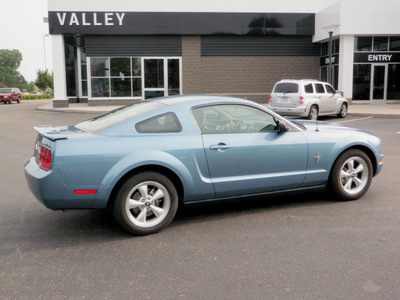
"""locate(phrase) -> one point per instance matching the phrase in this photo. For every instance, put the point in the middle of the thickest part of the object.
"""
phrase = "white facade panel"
(306, 6)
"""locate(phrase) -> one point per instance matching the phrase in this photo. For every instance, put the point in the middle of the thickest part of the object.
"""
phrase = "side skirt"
(317, 188)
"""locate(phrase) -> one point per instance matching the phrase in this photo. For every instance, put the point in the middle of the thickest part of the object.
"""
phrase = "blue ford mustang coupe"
(144, 160)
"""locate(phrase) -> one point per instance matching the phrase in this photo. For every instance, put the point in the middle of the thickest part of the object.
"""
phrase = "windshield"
(286, 88)
(5, 91)
(118, 115)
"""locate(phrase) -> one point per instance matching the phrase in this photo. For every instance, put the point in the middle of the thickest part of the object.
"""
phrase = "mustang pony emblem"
(318, 157)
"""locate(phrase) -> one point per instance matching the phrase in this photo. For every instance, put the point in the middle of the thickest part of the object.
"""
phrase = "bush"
(37, 97)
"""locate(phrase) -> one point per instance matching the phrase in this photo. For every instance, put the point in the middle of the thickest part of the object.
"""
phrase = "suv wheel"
(343, 111)
(313, 114)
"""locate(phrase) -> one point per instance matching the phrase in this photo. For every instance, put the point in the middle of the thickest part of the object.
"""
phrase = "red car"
(7, 95)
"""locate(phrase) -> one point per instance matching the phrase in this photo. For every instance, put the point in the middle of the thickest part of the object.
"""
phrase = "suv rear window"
(308, 88)
(286, 88)
(320, 88)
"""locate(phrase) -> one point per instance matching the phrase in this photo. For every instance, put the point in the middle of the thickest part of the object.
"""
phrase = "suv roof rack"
(299, 80)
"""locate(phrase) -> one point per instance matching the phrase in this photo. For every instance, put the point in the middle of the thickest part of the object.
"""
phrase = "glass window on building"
(363, 43)
(100, 67)
(336, 46)
(361, 82)
(117, 77)
(136, 77)
(324, 74)
(381, 43)
(394, 44)
(393, 82)
(83, 73)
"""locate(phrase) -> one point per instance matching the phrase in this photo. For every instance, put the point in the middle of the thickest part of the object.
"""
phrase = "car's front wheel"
(146, 203)
(343, 111)
(351, 175)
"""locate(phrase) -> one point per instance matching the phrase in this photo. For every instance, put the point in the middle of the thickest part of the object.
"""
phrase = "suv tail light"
(301, 100)
(45, 157)
(269, 101)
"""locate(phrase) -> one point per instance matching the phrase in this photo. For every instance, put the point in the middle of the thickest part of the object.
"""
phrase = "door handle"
(220, 146)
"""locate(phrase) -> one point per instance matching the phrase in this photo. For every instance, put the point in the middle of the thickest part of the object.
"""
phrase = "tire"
(343, 111)
(146, 203)
(351, 175)
(10, 101)
(313, 114)
(19, 100)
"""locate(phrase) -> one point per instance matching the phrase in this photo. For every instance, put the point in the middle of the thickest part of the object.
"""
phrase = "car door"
(331, 98)
(322, 97)
(244, 152)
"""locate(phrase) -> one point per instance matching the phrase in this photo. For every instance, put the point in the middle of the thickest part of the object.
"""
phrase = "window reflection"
(361, 82)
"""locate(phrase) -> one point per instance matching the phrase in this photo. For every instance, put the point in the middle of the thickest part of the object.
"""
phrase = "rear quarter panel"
(103, 160)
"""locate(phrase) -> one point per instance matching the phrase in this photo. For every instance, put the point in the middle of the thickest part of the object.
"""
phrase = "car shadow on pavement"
(49, 230)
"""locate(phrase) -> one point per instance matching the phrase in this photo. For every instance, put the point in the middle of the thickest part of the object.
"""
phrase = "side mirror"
(340, 93)
(281, 127)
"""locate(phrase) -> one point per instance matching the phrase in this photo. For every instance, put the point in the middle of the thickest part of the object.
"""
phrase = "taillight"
(269, 101)
(45, 157)
(301, 100)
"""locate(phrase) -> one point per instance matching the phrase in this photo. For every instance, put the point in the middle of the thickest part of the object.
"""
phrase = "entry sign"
(377, 57)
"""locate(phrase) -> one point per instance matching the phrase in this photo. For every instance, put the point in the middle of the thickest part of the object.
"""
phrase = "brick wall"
(250, 77)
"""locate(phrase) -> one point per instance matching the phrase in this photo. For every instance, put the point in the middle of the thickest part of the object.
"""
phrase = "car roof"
(301, 81)
(198, 100)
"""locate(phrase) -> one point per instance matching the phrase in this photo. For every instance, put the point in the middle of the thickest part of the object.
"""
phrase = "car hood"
(327, 127)
(5, 94)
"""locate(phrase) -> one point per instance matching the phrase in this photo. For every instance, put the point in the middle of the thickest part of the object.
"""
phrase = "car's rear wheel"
(343, 111)
(313, 114)
(351, 175)
(146, 203)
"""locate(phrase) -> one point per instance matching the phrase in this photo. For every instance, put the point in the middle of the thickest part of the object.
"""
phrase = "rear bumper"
(49, 189)
(300, 111)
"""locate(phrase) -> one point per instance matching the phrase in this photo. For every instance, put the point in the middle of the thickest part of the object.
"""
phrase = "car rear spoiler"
(54, 133)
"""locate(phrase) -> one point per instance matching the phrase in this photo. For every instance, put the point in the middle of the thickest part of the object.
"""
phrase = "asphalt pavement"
(303, 246)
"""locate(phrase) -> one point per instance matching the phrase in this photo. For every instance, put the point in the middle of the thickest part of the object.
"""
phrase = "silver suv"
(307, 98)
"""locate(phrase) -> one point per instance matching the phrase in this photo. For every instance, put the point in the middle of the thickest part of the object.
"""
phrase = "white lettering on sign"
(327, 60)
(83, 19)
(380, 57)
(84, 23)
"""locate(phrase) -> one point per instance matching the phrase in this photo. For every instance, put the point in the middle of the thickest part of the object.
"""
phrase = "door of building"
(162, 77)
(378, 82)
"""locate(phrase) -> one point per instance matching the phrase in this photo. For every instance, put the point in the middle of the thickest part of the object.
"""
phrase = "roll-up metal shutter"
(259, 46)
(133, 46)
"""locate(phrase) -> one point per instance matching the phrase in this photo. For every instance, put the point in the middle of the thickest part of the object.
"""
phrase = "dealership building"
(124, 51)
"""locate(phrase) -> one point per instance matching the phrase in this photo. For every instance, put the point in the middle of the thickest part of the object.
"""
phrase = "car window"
(329, 89)
(308, 88)
(119, 115)
(163, 123)
(5, 91)
(286, 88)
(320, 88)
(233, 118)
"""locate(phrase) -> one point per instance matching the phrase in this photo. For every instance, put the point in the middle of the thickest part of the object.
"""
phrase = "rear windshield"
(119, 115)
(286, 88)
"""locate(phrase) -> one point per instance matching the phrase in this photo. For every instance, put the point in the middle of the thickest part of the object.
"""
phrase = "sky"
(22, 28)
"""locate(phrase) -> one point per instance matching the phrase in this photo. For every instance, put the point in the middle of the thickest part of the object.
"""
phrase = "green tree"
(31, 86)
(44, 80)
(10, 60)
